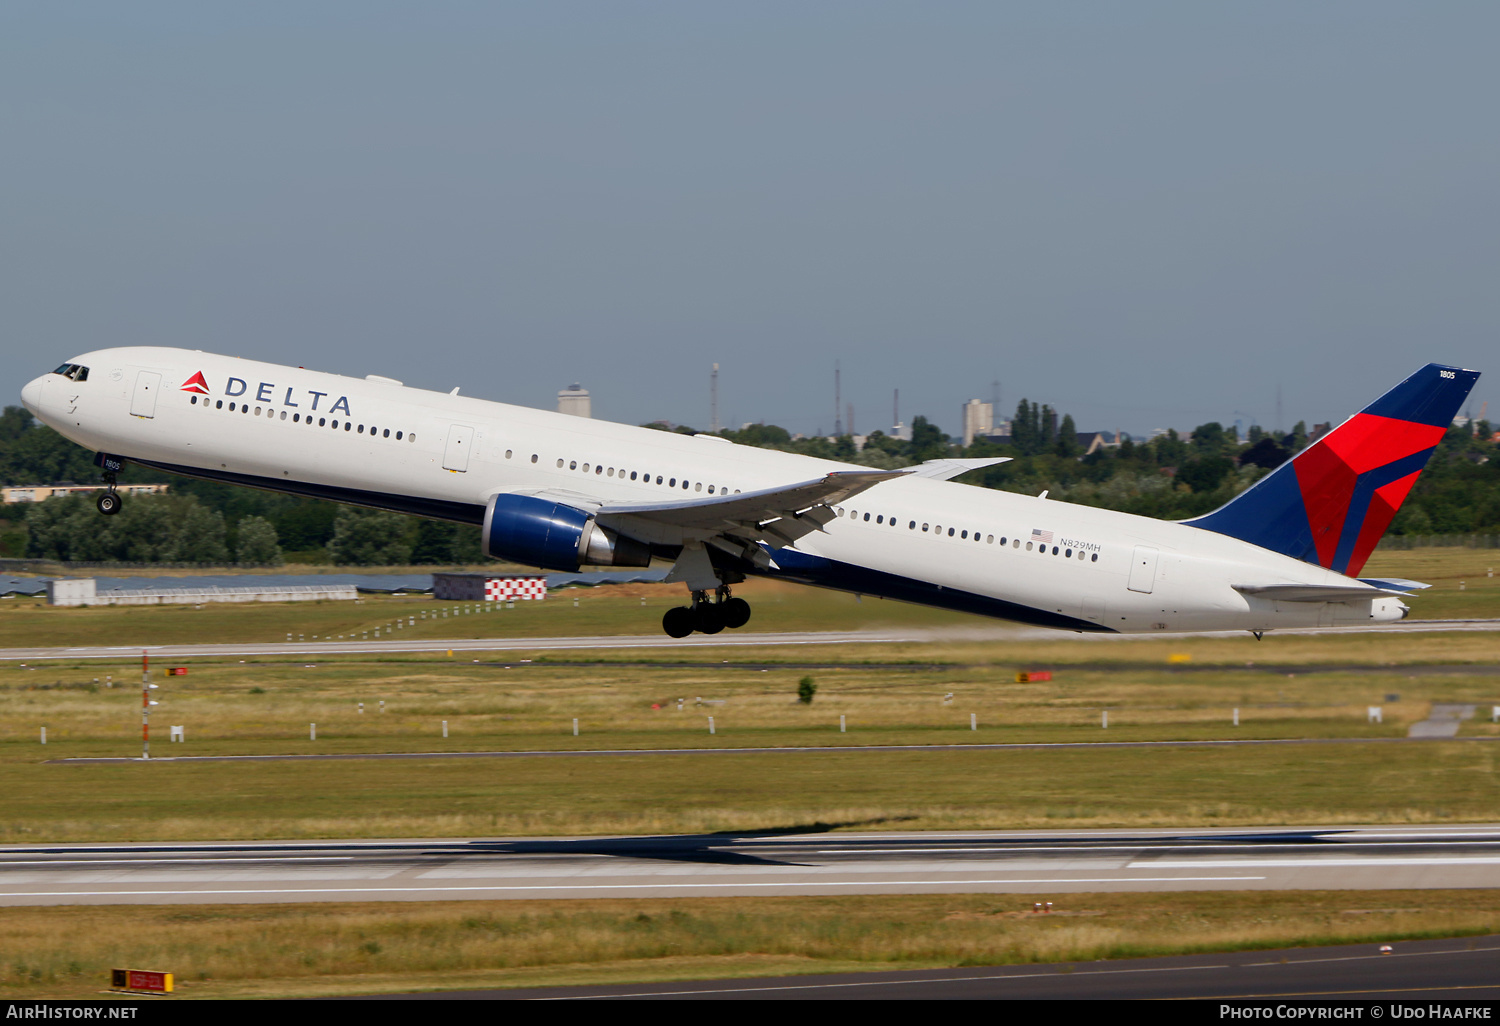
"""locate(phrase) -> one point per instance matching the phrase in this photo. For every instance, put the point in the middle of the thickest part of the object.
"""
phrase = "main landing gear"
(708, 617)
(109, 501)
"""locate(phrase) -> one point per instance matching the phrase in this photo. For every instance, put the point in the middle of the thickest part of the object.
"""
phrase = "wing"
(776, 515)
(947, 469)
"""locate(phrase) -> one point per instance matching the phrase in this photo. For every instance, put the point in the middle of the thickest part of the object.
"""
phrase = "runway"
(643, 641)
(1459, 971)
(813, 862)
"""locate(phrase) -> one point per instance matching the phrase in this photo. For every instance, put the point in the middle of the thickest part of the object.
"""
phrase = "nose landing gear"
(705, 616)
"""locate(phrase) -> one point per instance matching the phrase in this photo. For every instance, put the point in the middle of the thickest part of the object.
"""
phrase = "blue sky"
(1146, 214)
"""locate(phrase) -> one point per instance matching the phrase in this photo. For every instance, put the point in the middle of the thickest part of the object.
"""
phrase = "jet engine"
(554, 536)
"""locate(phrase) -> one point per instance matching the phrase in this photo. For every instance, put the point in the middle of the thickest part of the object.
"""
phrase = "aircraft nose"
(31, 396)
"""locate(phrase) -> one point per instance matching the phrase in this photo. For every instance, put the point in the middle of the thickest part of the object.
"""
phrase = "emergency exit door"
(456, 452)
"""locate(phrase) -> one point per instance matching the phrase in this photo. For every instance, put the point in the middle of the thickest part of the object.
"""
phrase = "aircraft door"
(456, 453)
(143, 401)
(1143, 569)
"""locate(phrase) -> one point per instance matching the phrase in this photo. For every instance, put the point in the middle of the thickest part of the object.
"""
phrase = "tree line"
(1168, 477)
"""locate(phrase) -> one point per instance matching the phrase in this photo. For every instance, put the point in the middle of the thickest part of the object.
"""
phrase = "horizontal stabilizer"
(1313, 592)
(947, 469)
(1399, 584)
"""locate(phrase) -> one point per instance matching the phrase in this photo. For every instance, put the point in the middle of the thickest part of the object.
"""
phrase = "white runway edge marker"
(312, 731)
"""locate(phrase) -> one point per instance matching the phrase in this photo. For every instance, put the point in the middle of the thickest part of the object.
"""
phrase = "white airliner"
(561, 492)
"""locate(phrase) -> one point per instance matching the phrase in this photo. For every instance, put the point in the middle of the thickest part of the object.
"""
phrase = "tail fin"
(1330, 504)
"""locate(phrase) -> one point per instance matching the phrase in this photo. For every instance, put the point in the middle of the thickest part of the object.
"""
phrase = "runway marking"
(1376, 860)
(1363, 958)
(629, 887)
(883, 983)
(4, 862)
(1000, 848)
(913, 636)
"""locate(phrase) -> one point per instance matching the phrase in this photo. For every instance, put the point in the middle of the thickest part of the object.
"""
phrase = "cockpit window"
(75, 371)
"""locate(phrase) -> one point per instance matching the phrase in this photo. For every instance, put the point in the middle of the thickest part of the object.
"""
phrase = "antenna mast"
(838, 414)
(713, 399)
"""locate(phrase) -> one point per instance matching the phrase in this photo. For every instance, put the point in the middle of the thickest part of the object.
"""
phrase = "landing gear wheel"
(736, 613)
(108, 503)
(710, 617)
(678, 622)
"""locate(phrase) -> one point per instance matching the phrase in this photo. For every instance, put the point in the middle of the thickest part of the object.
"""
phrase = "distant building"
(40, 493)
(979, 419)
(901, 432)
(574, 400)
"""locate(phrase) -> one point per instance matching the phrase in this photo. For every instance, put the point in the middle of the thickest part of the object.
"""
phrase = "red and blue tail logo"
(1331, 503)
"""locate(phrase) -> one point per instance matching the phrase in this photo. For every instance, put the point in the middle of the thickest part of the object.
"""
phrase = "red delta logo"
(196, 384)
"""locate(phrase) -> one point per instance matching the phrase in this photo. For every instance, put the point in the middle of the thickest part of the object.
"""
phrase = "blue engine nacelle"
(554, 536)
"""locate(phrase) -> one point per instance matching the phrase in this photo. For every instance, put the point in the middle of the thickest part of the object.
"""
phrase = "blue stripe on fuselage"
(831, 573)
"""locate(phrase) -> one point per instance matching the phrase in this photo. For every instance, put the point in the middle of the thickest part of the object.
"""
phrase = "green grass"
(677, 793)
(890, 694)
(1461, 589)
(221, 951)
(616, 609)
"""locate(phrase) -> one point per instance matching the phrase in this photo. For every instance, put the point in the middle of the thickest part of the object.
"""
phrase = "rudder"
(1331, 503)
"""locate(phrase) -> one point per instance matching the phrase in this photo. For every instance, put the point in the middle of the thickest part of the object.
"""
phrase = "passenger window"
(1054, 550)
(387, 433)
(244, 408)
(559, 464)
(950, 532)
(1094, 558)
(321, 422)
(347, 425)
(672, 483)
(1028, 546)
(194, 400)
(220, 405)
(924, 528)
(989, 539)
(912, 526)
(1016, 544)
(632, 475)
(585, 468)
(572, 464)
(599, 470)
(296, 418)
(533, 455)
(610, 472)
(1066, 555)
(710, 489)
(867, 518)
(231, 407)
(698, 487)
(361, 429)
(880, 519)
(965, 535)
(257, 411)
(411, 437)
(283, 415)
(507, 454)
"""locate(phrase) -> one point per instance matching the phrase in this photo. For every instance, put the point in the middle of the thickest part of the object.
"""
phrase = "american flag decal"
(1045, 537)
